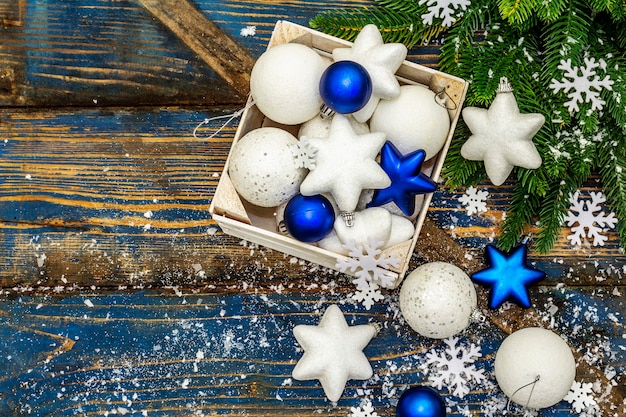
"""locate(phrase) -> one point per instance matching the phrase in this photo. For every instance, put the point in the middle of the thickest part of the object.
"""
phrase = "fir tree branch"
(612, 159)
(553, 211)
(520, 214)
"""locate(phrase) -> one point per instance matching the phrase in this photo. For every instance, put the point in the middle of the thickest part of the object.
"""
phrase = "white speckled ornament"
(262, 167)
(284, 83)
(438, 299)
(530, 353)
(319, 127)
(414, 120)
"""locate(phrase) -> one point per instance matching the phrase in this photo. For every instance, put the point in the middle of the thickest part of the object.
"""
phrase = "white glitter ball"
(262, 167)
(412, 121)
(284, 83)
(437, 300)
(530, 353)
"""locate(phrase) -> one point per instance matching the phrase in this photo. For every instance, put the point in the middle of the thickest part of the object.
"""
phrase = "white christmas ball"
(413, 120)
(530, 353)
(437, 300)
(284, 83)
(262, 167)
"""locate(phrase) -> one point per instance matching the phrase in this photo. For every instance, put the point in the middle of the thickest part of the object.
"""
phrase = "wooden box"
(238, 218)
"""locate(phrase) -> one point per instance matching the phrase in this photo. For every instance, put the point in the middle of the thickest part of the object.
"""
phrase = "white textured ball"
(284, 83)
(412, 121)
(262, 167)
(437, 300)
(529, 353)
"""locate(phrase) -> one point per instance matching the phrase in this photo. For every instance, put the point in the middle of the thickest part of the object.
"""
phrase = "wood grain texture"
(229, 60)
(119, 295)
(205, 353)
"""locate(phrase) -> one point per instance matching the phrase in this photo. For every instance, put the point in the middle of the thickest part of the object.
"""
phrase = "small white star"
(345, 164)
(381, 62)
(502, 136)
(333, 352)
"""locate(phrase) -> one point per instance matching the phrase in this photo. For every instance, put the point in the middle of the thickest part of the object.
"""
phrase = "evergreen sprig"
(526, 41)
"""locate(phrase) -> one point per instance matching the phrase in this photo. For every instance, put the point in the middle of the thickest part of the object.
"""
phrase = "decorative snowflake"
(365, 410)
(443, 9)
(304, 154)
(582, 80)
(454, 367)
(474, 200)
(367, 293)
(369, 263)
(589, 215)
(580, 396)
(248, 31)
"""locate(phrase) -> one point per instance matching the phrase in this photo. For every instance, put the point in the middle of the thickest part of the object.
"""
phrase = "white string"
(226, 123)
(534, 384)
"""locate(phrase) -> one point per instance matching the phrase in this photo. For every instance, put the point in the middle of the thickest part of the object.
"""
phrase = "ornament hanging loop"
(230, 117)
(442, 98)
(533, 383)
(348, 218)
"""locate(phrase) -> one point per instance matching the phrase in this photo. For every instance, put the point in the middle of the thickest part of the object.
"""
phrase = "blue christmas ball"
(420, 401)
(346, 87)
(309, 218)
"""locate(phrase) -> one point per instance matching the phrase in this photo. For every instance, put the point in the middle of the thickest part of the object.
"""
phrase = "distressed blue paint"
(148, 344)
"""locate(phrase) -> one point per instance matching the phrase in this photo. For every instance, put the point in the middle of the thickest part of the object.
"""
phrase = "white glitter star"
(502, 136)
(381, 62)
(333, 352)
(345, 164)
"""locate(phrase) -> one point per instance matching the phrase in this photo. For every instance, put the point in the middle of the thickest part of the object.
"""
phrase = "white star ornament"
(333, 352)
(345, 164)
(381, 61)
(502, 136)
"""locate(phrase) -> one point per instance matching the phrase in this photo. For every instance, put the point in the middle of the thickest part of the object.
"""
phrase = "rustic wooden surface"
(119, 293)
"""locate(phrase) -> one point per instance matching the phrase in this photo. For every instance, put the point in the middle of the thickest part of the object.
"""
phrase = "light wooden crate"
(239, 218)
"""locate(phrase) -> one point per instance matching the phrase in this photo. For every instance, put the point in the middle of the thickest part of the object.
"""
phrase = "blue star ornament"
(508, 276)
(407, 181)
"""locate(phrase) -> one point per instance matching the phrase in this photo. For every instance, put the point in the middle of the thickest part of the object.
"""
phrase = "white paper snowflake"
(580, 396)
(588, 215)
(248, 31)
(367, 293)
(365, 410)
(304, 154)
(454, 367)
(369, 263)
(582, 80)
(443, 9)
(474, 200)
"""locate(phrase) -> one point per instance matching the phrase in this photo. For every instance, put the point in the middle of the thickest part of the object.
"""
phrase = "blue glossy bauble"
(309, 218)
(346, 87)
(420, 401)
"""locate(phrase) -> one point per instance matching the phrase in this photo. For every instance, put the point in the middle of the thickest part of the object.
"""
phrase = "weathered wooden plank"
(205, 353)
(122, 195)
(106, 52)
(230, 61)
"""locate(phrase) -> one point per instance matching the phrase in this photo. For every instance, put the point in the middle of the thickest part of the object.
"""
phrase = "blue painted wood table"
(121, 296)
